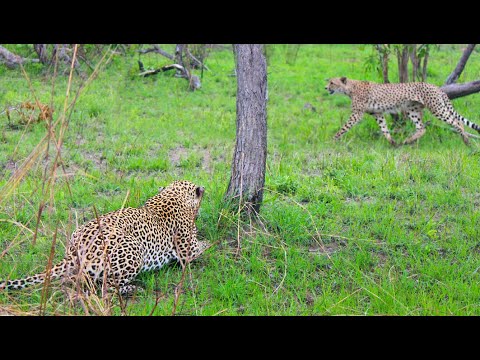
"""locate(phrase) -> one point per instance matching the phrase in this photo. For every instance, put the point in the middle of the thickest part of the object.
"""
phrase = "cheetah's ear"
(343, 79)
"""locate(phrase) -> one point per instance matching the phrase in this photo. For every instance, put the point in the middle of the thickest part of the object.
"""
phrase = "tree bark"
(414, 60)
(10, 59)
(249, 159)
(385, 66)
(158, 50)
(424, 66)
(458, 90)
(41, 50)
(60, 50)
(179, 54)
(403, 64)
(383, 52)
(453, 77)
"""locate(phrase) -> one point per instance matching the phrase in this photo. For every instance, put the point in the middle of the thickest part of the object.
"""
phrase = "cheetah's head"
(337, 85)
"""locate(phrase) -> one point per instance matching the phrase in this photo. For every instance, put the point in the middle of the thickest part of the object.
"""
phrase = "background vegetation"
(355, 227)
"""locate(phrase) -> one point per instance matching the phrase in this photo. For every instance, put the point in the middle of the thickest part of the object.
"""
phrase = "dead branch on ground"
(194, 81)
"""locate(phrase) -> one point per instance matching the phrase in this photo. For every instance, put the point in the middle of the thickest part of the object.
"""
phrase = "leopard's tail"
(56, 272)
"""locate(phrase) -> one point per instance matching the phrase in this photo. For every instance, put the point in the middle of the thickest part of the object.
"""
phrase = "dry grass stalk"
(55, 133)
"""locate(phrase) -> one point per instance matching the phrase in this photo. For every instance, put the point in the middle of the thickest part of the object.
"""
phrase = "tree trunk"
(385, 66)
(384, 52)
(249, 159)
(414, 60)
(458, 90)
(179, 54)
(453, 77)
(403, 64)
(424, 66)
(41, 50)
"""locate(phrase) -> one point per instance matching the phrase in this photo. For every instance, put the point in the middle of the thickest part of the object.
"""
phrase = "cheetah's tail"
(456, 115)
(469, 123)
(57, 271)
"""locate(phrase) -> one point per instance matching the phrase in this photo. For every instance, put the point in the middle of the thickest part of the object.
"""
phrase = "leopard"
(112, 249)
(410, 98)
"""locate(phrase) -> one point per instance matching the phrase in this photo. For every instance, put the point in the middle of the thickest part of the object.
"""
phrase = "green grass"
(354, 227)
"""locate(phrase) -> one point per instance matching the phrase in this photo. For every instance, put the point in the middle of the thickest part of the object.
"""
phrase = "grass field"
(354, 227)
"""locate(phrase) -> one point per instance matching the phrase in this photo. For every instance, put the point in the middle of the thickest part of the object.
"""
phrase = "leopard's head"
(181, 193)
(337, 85)
(189, 192)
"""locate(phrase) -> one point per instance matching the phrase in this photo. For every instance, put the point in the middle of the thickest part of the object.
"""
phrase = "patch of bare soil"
(360, 199)
(176, 155)
(9, 165)
(382, 258)
(98, 160)
(327, 248)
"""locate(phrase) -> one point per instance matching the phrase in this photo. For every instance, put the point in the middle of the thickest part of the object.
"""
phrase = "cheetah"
(378, 99)
(121, 244)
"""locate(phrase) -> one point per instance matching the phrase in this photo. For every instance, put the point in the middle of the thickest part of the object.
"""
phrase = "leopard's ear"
(199, 191)
(343, 79)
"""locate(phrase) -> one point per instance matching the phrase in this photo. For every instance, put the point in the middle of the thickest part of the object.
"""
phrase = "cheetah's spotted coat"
(378, 99)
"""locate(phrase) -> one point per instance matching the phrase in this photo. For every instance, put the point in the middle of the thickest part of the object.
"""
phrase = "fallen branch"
(12, 60)
(194, 81)
(458, 90)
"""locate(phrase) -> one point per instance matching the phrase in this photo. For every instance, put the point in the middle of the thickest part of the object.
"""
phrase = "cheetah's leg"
(354, 118)
(458, 123)
(383, 126)
(415, 114)
(450, 118)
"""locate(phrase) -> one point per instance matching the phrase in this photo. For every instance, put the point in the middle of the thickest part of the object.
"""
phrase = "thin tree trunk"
(403, 64)
(179, 54)
(414, 60)
(41, 50)
(385, 67)
(249, 159)
(60, 51)
(383, 51)
(425, 63)
(453, 77)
